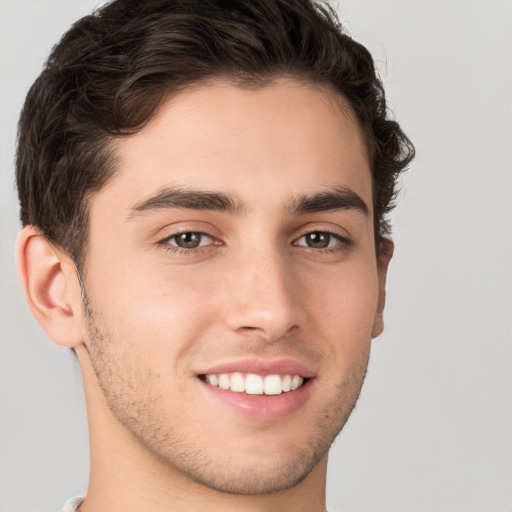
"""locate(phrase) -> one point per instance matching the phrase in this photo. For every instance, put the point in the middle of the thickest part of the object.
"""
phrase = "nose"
(261, 299)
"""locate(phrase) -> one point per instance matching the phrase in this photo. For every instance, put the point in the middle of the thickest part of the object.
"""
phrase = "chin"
(252, 478)
(270, 464)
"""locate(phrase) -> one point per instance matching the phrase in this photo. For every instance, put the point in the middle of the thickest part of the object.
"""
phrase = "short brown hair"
(112, 70)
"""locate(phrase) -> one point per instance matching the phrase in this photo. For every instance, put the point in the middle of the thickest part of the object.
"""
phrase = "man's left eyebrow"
(187, 199)
(334, 199)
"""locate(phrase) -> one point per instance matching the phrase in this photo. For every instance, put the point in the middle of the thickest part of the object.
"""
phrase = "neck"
(125, 476)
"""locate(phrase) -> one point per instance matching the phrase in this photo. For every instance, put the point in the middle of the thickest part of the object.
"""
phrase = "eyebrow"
(334, 199)
(338, 198)
(188, 199)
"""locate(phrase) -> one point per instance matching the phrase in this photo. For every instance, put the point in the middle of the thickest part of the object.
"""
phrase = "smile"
(254, 384)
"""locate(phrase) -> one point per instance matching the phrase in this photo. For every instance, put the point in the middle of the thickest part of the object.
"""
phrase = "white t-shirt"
(72, 504)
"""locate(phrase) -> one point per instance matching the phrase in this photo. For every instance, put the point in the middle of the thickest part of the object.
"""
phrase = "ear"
(51, 287)
(384, 254)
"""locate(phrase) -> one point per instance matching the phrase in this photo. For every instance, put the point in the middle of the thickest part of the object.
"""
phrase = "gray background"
(433, 429)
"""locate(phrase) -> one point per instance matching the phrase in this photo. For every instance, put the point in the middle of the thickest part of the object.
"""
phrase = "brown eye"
(190, 240)
(318, 240)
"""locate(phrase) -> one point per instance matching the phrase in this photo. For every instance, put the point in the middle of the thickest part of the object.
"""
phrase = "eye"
(189, 240)
(319, 240)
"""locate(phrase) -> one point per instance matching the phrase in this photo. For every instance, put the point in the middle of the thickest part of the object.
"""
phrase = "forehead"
(283, 139)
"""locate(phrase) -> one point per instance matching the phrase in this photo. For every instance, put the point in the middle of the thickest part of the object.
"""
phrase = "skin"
(154, 314)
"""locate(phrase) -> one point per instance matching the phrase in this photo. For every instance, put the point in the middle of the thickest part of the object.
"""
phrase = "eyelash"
(165, 242)
(342, 245)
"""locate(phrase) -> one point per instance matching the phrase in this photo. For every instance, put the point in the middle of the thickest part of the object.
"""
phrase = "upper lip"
(258, 366)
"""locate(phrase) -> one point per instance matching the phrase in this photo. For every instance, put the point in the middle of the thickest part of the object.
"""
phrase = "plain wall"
(432, 431)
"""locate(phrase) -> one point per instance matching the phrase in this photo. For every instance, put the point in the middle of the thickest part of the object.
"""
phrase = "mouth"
(255, 384)
(259, 389)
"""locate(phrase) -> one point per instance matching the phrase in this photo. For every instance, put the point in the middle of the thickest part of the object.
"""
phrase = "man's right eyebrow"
(188, 199)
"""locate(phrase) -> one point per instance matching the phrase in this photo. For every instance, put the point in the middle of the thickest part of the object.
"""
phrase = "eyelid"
(166, 240)
(333, 234)
(186, 226)
(174, 235)
(328, 228)
(343, 241)
(176, 230)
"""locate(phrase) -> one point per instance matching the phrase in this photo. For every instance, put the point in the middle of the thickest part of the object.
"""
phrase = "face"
(232, 282)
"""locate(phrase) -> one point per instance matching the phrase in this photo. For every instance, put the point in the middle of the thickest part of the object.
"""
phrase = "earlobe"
(51, 287)
(384, 255)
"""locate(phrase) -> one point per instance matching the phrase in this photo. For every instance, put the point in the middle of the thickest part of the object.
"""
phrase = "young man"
(203, 190)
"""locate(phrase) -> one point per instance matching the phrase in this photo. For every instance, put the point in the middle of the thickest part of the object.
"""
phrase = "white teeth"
(287, 383)
(212, 379)
(254, 384)
(273, 385)
(296, 382)
(237, 383)
(224, 381)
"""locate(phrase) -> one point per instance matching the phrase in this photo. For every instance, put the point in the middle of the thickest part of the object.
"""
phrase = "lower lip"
(262, 407)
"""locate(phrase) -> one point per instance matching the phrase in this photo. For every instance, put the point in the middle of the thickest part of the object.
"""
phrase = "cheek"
(344, 303)
(154, 314)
